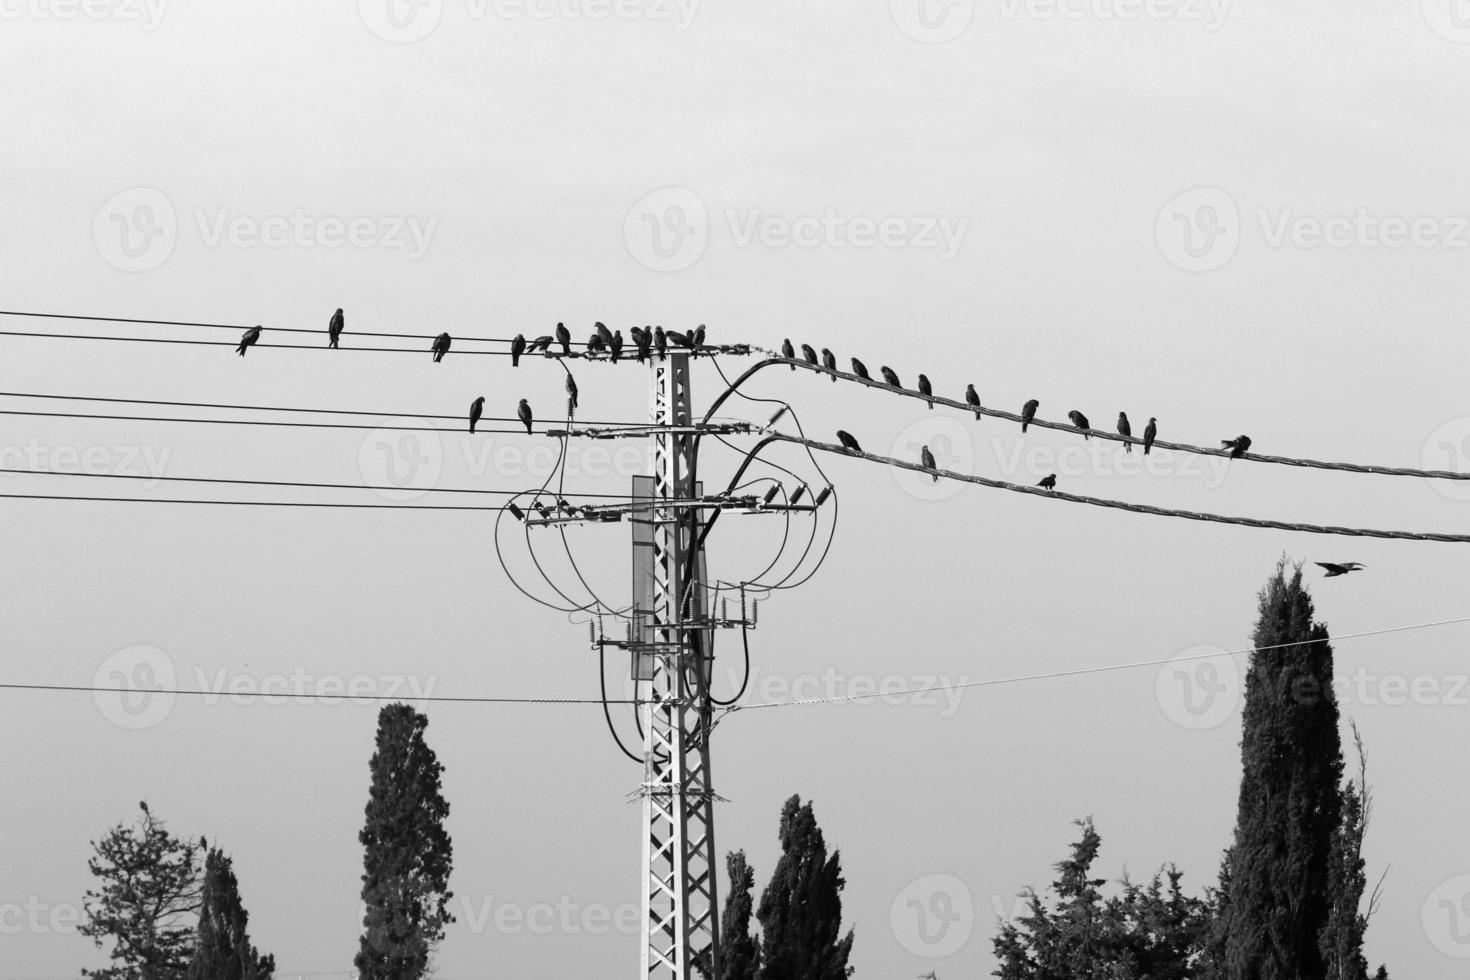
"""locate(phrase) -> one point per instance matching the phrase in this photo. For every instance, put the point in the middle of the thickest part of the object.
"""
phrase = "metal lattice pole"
(680, 908)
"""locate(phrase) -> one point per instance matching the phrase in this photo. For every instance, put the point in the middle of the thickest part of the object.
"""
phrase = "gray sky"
(1189, 213)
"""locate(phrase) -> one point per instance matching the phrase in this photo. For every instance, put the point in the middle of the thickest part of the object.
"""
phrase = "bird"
(1237, 446)
(926, 389)
(644, 340)
(1149, 432)
(973, 400)
(890, 378)
(698, 336)
(1028, 412)
(848, 442)
(541, 343)
(517, 348)
(334, 329)
(789, 352)
(926, 460)
(604, 333)
(1340, 568)
(678, 338)
(1124, 429)
(248, 339)
(441, 347)
(1048, 482)
(523, 411)
(572, 391)
(564, 337)
(829, 361)
(1080, 421)
(594, 343)
(808, 355)
(661, 341)
(860, 369)
(477, 408)
(616, 346)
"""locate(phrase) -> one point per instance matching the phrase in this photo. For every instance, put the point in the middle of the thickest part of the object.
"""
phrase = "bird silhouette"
(1124, 429)
(616, 346)
(1048, 482)
(1028, 412)
(477, 408)
(564, 337)
(788, 352)
(678, 338)
(848, 442)
(807, 354)
(248, 339)
(697, 338)
(661, 341)
(973, 400)
(860, 369)
(1150, 431)
(541, 343)
(926, 460)
(572, 391)
(1237, 446)
(926, 389)
(890, 378)
(523, 411)
(517, 348)
(594, 343)
(1080, 421)
(644, 340)
(1340, 568)
(441, 347)
(334, 329)
(829, 361)
(603, 333)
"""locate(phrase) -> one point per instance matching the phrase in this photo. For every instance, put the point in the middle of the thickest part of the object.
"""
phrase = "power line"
(231, 343)
(84, 688)
(240, 326)
(265, 422)
(247, 503)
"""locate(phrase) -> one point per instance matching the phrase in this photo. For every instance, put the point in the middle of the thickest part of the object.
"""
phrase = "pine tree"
(146, 903)
(222, 950)
(801, 909)
(1290, 805)
(408, 855)
(740, 953)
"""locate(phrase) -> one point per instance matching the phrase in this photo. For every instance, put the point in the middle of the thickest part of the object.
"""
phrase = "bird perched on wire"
(644, 340)
(441, 347)
(788, 352)
(860, 369)
(1237, 446)
(1048, 482)
(1028, 412)
(1124, 429)
(595, 343)
(541, 343)
(1150, 431)
(972, 398)
(603, 333)
(808, 354)
(1080, 421)
(571, 391)
(517, 348)
(334, 329)
(926, 460)
(848, 442)
(249, 339)
(890, 377)
(616, 345)
(1340, 568)
(523, 412)
(926, 389)
(697, 338)
(661, 341)
(477, 408)
(829, 361)
(564, 337)
(677, 337)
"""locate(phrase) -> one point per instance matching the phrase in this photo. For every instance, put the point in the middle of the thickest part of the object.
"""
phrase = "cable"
(293, 425)
(1121, 505)
(242, 326)
(1105, 668)
(305, 697)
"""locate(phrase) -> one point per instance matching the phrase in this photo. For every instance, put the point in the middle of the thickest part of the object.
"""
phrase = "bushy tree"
(801, 909)
(222, 950)
(740, 952)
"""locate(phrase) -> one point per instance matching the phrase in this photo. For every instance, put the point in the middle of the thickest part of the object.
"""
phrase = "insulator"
(591, 633)
(516, 512)
(797, 494)
(724, 608)
(755, 611)
(771, 493)
(777, 417)
(822, 497)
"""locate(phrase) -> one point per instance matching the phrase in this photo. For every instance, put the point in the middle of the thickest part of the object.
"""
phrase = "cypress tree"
(222, 950)
(740, 953)
(801, 909)
(407, 853)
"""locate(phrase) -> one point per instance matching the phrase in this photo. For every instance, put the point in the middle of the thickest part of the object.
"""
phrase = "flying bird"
(661, 341)
(1149, 432)
(860, 369)
(477, 408)
(248, 339)
(848, 442)
(1340, 568)
(1048, 482)
(926, 389)
(441, 347)
(809, 355)
(1028, 412)
(1080, 421)
(926, 460)
(788, 352)
(829, 361)
(523, 411)
(334, 329)
(616, 346)
(1124, 429)
(973, 400)
(890, 378)
(517, 348)
(1237, 446)
(564, 337)
(572, 391)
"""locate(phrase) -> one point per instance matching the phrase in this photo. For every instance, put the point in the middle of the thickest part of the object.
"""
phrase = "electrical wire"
(240, 326)
(264, 422)
(247, 503)
(85, 688)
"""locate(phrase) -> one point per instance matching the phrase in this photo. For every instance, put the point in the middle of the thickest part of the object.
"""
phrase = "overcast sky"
(1237, 217)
